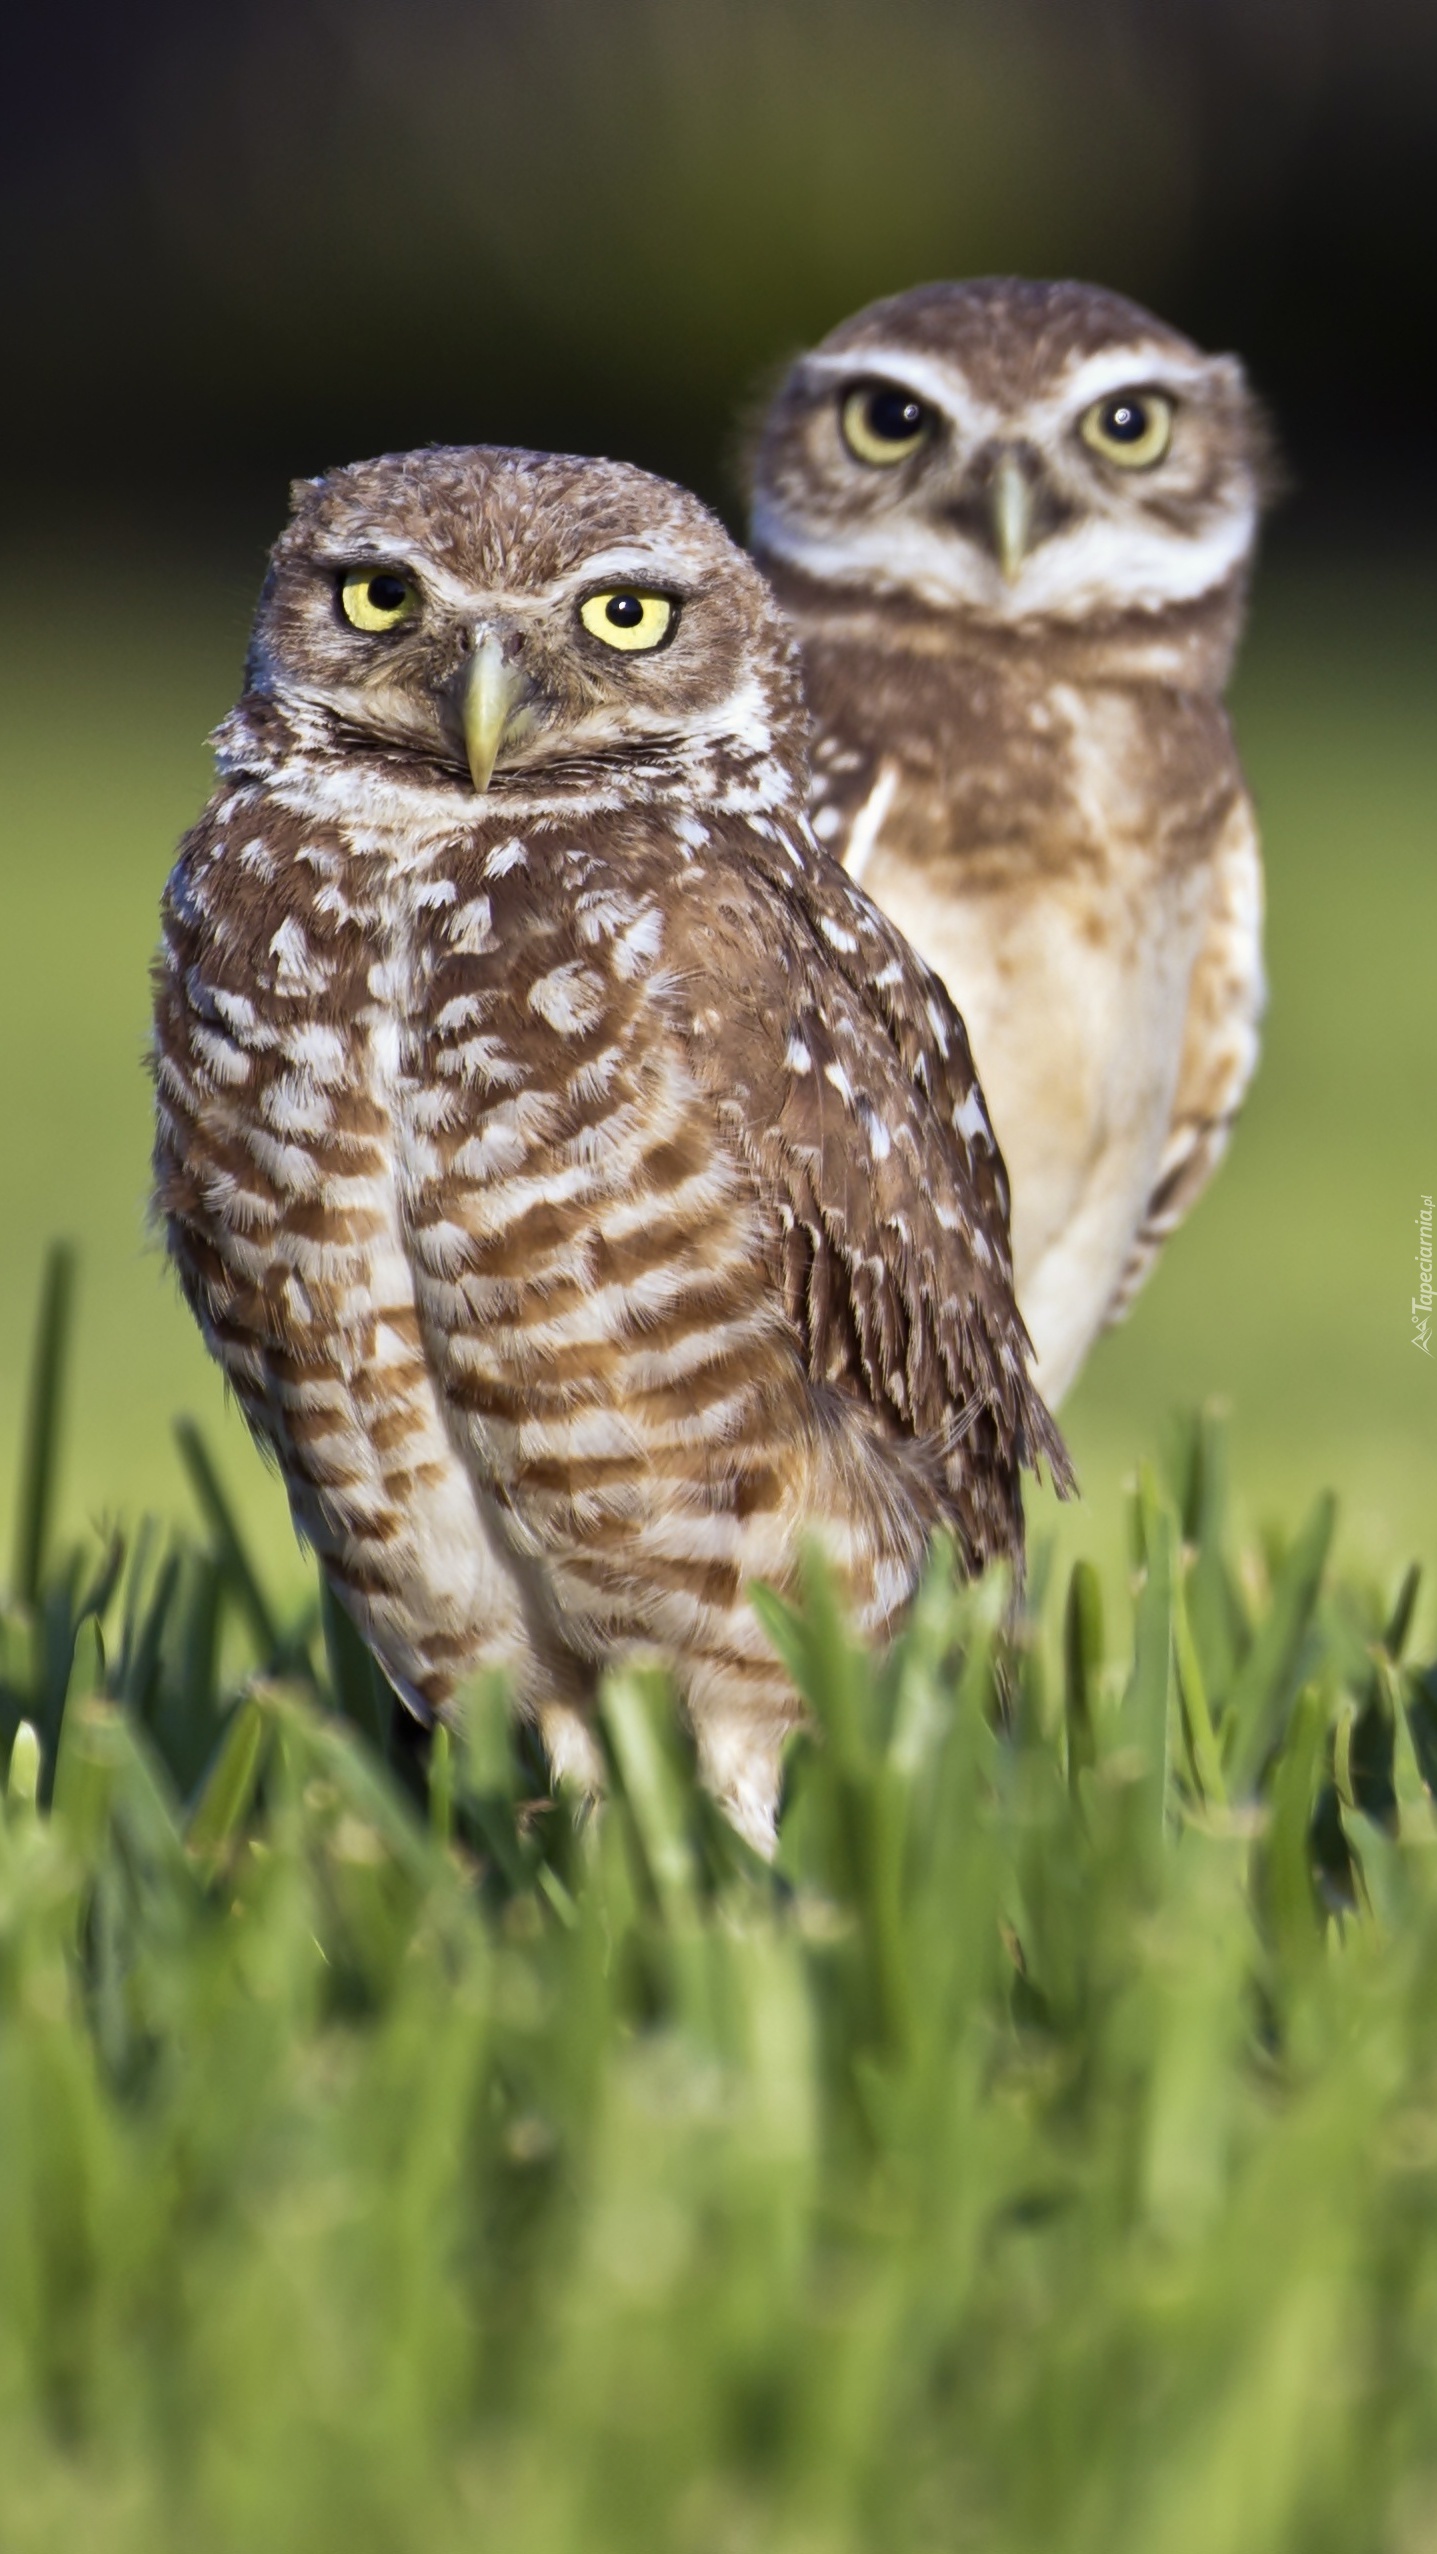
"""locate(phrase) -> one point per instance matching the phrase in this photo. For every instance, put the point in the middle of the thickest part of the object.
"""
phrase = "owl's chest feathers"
(1044, 842)
(504, 1278)
(492, 1015)
(560, 1177)
(1017, 770)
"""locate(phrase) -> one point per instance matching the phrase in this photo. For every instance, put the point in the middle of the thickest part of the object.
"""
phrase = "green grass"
(1041, 2156)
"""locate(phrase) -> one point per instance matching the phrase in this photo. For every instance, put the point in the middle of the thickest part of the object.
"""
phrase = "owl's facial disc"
(998, 477)
(487, 624)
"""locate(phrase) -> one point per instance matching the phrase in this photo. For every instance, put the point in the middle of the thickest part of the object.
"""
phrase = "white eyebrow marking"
(628, 563)
(1123, 367)
(943, 386)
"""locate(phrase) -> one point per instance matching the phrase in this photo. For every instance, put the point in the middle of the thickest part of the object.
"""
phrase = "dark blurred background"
(243, 243)
(250, 240)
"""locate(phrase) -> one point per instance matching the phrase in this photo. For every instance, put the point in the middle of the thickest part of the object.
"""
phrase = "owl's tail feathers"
(999, 1434)
(1037, 1437)
(1040, 1441)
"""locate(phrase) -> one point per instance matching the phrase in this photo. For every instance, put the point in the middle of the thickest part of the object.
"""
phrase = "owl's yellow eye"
(628, 619)
(883, 424)
(1132, 428)
(374, 599)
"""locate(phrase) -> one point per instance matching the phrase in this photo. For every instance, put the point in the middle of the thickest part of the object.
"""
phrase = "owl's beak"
(494, 690)
(1013, 500)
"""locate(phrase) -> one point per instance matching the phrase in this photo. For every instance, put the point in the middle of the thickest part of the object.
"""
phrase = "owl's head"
(477, 619)
(1021, 451)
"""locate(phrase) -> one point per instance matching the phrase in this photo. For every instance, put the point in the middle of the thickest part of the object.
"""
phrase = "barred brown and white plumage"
(585, 1190)
(1013, 523)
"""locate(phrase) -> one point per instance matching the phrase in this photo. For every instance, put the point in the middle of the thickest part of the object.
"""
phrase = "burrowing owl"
(586, 1192)
(1013, 523)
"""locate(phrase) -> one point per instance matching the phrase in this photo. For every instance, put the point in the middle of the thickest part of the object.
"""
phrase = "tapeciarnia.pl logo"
(1422, 1300)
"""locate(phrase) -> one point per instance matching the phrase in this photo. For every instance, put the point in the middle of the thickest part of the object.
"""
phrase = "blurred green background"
(242, 244)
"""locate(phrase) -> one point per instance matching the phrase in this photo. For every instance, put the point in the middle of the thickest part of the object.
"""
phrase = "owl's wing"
(1226, 1000)
(850, 1090)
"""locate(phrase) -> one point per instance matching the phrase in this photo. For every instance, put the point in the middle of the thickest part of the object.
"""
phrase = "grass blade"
(40, 1460)
(1267, 1680)
(232, 1781)
(1144, 1717)
(1083, 1667)
(229, 1543)
(360, 1688)
(1399, 1623)
(1204, 1753)
(637, 1709)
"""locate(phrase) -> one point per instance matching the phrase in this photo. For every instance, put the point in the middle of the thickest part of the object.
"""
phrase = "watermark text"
(1422, 1300)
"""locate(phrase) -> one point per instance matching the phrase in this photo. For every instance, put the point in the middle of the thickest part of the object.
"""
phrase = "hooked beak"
(494, 689)
(1012, 499)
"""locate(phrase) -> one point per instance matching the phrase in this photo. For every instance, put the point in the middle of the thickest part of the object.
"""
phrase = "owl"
(1013, 524)
(585, 1191)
